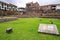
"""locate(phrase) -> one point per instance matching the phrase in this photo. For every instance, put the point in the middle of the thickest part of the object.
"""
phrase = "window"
(2, 5)
(24, 13)
(53, 7)
(5, 8)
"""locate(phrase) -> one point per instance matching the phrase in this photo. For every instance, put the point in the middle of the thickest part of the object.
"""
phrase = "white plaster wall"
(0, 4)
(57, 7)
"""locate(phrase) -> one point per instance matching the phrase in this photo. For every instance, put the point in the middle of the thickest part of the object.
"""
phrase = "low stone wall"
(39, 15)
(50, 17)
(8, 19)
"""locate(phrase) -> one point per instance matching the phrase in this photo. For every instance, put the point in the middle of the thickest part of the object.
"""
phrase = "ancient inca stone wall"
(8, 19)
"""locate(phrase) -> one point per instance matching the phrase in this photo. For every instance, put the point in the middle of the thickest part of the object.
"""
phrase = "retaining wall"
(8, 19)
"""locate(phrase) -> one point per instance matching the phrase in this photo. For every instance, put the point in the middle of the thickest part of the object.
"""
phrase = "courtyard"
(27, 29)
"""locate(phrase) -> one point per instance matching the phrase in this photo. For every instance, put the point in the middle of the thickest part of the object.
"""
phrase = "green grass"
(26, 29)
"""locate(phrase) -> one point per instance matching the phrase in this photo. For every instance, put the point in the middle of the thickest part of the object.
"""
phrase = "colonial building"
(12, 7)
(36, 10)
(22, 10)
(50, 8)
(31, 9)
(45, 8)
(6, 8)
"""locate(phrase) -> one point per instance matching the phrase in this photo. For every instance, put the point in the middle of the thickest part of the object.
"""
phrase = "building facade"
(45, 8)
(35, 10)
(31, 9)
(6, 8)
(50, 8)
(32, 6)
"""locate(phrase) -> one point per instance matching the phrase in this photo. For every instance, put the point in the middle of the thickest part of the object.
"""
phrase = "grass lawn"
(27, 29)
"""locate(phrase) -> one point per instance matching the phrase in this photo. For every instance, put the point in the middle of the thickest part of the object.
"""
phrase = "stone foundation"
(8, 19)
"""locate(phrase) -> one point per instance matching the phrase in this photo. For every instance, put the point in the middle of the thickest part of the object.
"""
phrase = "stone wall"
(35, 14)
(51, 15)
(29, 15)
(7, 13)
(8, 19)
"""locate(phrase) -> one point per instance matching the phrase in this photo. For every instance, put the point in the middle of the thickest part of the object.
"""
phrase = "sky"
(22, 3)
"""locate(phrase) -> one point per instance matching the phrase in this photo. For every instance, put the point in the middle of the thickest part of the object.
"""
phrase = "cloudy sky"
(22, 3)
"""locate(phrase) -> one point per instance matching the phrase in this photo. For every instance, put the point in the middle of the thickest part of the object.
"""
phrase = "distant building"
(46, 8)
(32, 6)
(6, 8)
(22, 10)
(51, 7)
(31, 9)
(3, 6)
(12, 7)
